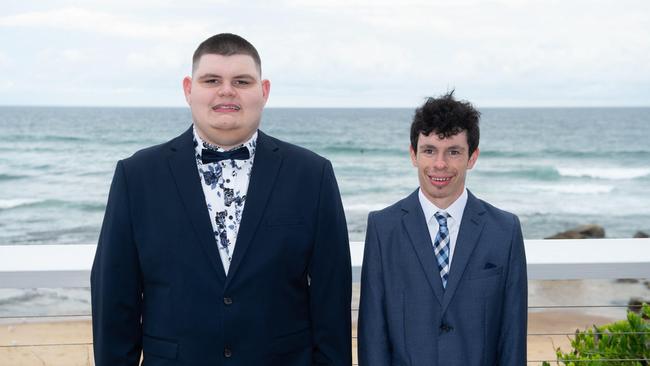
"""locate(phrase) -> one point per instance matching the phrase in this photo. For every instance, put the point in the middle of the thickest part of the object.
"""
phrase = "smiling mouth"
(226, 107)
(447, 179)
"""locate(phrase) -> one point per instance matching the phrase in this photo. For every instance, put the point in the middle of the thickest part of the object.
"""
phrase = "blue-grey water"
(555, 168)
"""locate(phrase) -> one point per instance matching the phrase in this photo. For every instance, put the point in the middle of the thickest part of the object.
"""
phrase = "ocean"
(556, 168)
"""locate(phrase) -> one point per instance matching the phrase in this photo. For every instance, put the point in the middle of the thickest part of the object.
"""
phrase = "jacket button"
(227, 352)
(446, 328)
(227, 300)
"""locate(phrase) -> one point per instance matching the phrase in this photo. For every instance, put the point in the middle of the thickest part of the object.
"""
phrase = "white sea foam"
(604, 172)
(16, 202)
(365, 207)
(575, 188)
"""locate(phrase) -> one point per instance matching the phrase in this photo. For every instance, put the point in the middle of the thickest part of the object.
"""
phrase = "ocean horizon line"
(543, 107)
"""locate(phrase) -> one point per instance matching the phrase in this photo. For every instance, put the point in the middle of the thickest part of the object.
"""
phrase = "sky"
(332, 53)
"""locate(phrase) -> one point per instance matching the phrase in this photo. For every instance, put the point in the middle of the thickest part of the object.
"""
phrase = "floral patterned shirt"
(225, 184)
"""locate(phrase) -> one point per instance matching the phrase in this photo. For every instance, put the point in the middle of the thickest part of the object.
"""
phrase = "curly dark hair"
(226, 44)
(446, 117)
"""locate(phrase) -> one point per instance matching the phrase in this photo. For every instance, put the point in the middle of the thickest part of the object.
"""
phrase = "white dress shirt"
(455, 211)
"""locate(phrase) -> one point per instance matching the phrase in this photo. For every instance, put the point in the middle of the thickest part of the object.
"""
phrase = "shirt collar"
(455, 210)
(199, 145)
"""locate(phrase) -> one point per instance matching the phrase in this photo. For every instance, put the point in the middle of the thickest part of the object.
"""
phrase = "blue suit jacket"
(407, 318)
(158, 285)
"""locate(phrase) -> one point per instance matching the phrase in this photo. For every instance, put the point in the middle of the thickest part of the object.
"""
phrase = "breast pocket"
(485, 282)
(486, 273)
(287, 243)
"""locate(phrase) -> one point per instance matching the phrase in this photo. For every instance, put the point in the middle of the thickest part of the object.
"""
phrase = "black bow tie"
(213, 156)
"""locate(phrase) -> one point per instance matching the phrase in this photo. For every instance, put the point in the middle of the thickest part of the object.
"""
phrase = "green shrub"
(622, 340)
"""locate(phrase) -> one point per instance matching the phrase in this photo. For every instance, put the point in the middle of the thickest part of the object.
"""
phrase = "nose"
(226, 89)
(439, 162)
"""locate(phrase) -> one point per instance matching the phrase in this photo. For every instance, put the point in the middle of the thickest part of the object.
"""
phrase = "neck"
(225, 144)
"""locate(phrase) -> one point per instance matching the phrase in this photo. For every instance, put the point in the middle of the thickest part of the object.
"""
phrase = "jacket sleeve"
(330, 273)
(116, 283)
(512, 340)
(373, 344)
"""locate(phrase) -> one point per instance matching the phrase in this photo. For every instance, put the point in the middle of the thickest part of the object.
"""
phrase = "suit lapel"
(418, 233)
(182, 163)
(468, 235)
(265, 170)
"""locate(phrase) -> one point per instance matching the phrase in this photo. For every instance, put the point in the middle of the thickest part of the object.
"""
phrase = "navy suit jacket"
(159, 287)
(407, 318)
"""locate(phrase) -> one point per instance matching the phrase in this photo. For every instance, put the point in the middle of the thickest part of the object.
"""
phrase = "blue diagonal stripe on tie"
(441, 246)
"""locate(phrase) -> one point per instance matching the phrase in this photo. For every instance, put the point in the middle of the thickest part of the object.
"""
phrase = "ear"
(187, 89)
(414, 158)
(473, 158)
(266, 89)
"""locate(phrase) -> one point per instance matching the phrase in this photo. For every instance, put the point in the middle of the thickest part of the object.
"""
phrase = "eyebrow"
(429, 146)
(210, 76)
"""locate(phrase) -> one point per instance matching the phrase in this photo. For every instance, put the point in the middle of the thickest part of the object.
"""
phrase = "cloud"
(73, 55)
(6, 85)
(79, 19)
(341, 52)
(159, 58)
(4, 60)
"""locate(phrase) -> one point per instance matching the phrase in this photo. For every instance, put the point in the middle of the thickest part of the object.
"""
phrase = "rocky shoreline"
(589, 231)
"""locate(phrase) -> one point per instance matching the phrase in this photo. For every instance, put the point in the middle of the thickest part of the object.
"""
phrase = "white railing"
(61, 266)
(68, 266)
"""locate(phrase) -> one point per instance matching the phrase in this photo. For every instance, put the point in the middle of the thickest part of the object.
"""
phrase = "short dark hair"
(226, 44)
(446, 117)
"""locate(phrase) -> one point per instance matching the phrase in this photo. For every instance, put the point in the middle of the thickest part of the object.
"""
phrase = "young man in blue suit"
(223, 246)
(443, 280)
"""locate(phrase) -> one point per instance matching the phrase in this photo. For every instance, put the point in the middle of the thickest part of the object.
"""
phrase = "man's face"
(226, 96)
(442, 165)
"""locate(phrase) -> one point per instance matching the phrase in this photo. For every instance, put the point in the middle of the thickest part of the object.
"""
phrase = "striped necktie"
(441, 246)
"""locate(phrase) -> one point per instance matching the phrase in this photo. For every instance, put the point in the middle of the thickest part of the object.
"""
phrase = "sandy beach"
(77, 336)
(60, 343)
(67, 342)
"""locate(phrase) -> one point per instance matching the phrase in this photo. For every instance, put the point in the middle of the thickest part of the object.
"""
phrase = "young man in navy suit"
(443, 280)
(223, 246)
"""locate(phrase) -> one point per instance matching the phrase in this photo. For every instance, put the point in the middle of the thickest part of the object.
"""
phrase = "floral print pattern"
(225, 184)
